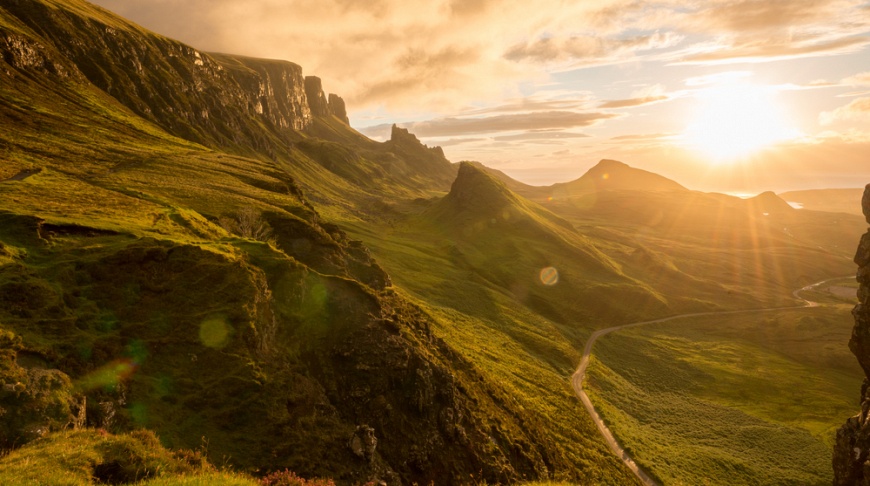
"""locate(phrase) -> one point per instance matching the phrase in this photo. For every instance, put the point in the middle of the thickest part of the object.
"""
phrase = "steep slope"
(508, 239)
(188, 93)
(252, 107)
(514, 185)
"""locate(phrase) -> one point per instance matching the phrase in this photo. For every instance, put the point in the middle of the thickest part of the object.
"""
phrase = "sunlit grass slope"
(117, 272)
(752, 399)
(87, 456)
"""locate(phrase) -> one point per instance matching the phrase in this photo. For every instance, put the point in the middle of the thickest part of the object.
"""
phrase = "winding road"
(580, 374)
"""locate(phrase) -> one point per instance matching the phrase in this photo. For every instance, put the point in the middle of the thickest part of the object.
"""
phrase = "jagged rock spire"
(318, 102)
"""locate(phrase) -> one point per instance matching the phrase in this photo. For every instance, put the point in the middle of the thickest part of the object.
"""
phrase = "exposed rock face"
(336, 105)
(429, 160)
(320, 105)
(213, 99)
(273, 89)
(317, 101)
(852, 448)
(363, 443)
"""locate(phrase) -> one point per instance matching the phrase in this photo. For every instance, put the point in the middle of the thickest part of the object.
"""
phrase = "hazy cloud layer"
(495, 79)
(860, 79)
(857, 110)
(441, 54)
(644, 136)
(448, 127)
(589, 49)
(540, 135)
(632, 102)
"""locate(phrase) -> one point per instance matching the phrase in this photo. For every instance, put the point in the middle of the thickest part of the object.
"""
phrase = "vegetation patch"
(752, 399)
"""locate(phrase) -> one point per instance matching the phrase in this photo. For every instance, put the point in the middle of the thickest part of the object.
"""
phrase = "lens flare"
(214, 332)
(109, 375)
(549, 276)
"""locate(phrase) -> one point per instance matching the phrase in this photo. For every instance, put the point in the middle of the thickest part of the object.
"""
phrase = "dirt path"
(580, 374)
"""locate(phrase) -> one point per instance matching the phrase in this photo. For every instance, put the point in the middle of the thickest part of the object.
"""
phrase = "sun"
(737, 120)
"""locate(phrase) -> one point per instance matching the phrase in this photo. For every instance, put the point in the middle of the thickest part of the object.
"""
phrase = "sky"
(735, 96)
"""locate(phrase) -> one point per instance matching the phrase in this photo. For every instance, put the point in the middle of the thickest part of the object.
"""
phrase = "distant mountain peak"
(611, 174)
(610, 164)
(769, 202)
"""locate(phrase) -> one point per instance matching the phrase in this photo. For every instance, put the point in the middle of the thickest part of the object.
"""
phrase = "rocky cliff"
(131, 296)
(852, 448)
(213, 99)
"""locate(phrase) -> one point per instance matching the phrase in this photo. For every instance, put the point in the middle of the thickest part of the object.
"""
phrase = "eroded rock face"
(364, 442)
(852, 447)
(320, 104)
(209, 98)
(317, 101)
(336, 105)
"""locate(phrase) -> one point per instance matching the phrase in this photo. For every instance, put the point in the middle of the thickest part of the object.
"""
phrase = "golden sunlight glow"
(736, 120)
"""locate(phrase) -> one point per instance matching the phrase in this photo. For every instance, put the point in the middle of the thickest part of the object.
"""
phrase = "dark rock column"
(337, 107)
(317, 102)
(850, 461)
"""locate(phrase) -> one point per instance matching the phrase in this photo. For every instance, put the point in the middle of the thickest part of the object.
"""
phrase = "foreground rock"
(852, 448)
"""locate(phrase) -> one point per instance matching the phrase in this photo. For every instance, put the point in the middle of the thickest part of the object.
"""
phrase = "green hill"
(197, 244)
(174, 272)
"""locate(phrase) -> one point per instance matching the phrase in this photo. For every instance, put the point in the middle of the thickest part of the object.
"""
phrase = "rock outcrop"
(851, 459)
(320, 104)
(339, 110)
(317, 101)
(419, 157)
(209, 98)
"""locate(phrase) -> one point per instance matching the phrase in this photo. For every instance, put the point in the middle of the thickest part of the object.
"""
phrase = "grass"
(224, 331)
(741, 400)
(79, 457)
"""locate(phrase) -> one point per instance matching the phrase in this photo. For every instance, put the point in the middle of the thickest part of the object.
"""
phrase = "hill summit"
(614, 175)
(768, 202)
(478, 198)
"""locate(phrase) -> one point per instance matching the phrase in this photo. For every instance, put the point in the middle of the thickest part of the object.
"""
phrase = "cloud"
(770, 30)
(717, 78)
(539, 135)
(857, 110)
(632, 102)
(860, 79)
(440, 55)
(588, 49)
(774, 50)
(644, 136)
(455, 141)
(754, 16)
(528, 104)
(446, 127)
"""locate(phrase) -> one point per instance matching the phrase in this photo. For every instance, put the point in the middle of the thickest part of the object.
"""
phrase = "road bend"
(580, 373)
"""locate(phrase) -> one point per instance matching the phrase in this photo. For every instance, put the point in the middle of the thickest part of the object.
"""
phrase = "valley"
(206, 274)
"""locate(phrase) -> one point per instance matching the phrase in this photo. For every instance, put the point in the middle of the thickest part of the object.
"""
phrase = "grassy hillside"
(134, 277)
(182, 261)
(741, 400)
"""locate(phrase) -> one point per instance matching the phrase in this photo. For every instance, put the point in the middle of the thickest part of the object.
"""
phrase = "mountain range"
(199, 247)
